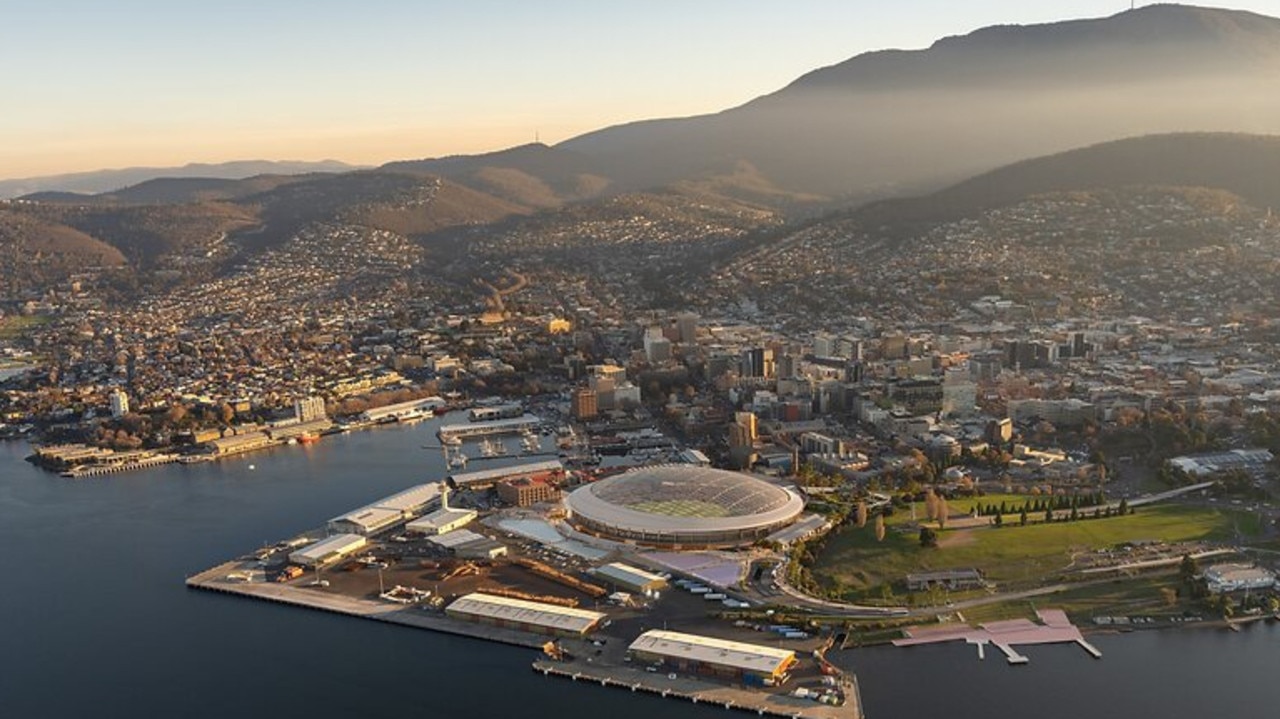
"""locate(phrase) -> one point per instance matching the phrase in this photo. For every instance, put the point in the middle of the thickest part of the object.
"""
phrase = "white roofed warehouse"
(750, 664)
(525, 616)
(328, 550)
(630, 578)
(683, 506)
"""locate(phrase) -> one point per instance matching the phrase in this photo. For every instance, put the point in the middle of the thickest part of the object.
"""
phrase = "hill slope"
(100, 181)
(1244, 165)
(886, 122)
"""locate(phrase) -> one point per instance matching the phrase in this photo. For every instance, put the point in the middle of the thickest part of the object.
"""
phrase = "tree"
(1022, 517)
(1124, 507)
(879, 527)
(928, 537)
(999, 520)
(1048, 514)
(861, 514)
(1188, 568)
(1170, 596)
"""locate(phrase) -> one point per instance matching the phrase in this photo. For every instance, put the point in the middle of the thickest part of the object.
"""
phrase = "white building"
(119, 404)
(309, 409)
(445, 519)
(328, 550)
(525, 616)
(1237, 578)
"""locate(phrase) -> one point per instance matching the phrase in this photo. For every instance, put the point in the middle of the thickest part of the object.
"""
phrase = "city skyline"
(144, 83)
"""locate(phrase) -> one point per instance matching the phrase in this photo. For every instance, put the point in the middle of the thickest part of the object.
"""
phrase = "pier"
(760, 703)
(1054, 628)
(94, 470)
(482, 429)
(216, 580)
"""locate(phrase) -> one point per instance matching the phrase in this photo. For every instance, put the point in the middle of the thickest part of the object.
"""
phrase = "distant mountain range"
(1136, 91)
(893, 122)
(100, 181)
(881, 124)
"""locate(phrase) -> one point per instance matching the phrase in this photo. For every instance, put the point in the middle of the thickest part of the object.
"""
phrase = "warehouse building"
(487, 477)
(328, 550)
(525, 616)
(445, 519)
(366, 521)
(750, 664)
(387, 512)
(632, 578)
(466, 543)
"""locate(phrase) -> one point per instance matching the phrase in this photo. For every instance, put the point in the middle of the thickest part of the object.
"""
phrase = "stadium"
(683, 506)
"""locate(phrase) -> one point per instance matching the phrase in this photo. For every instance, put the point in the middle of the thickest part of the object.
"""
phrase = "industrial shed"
(328, 550)
(693, 654)
(629, 577)
(524, 615)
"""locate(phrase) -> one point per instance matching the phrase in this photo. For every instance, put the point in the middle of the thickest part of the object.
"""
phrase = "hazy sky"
(109, 83)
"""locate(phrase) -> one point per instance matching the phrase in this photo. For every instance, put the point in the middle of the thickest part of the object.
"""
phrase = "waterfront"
(98, 622)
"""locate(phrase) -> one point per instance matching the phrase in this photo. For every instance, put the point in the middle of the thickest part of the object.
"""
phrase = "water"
(97, 623)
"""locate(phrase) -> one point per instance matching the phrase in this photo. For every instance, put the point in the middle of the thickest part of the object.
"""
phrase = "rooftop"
(748, 657)
(518, 610)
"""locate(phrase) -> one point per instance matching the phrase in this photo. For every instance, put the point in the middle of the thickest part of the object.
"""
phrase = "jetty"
(1054, 628)
(226, 579)
(697, 691)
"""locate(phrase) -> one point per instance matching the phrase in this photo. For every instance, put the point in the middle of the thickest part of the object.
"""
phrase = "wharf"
(95, 470)
(756, 701)
(215, 580)
(1003, 635)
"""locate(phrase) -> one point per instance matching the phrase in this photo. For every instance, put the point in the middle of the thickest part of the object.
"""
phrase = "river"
(97, 621)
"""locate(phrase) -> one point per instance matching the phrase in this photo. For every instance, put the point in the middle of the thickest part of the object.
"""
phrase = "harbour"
(176, 520)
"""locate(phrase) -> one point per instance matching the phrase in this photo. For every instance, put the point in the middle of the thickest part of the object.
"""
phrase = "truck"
(292, 571)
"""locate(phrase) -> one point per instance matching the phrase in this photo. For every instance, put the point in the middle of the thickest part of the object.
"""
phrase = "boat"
(458, 461)
(308, 438)
(492, 448)
(531, 444)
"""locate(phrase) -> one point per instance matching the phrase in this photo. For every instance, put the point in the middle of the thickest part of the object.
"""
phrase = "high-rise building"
(657, 349)
(824, 345)
(308, 409)
(746, 420)
(119, 404)
(585, 403)
(687, 327)
(758, 362)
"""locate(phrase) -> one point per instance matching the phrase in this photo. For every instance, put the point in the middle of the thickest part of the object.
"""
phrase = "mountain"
(532, 175)
(100, 181)
(1247, 166)
(891, 122)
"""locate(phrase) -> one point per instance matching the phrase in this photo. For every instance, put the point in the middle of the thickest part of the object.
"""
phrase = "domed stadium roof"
(685, 501)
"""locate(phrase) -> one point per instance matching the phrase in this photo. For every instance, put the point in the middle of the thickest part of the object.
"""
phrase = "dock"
(1055, 628)
(481, 429)
(760, 703)
(216, 580)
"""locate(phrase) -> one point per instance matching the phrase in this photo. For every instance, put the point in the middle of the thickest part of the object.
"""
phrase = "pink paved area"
(1055, 629)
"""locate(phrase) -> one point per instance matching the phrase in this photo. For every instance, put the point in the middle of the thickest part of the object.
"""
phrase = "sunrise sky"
(92, 84)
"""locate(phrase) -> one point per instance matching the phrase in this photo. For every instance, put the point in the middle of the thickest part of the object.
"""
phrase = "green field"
(855, 563)
(15, 326)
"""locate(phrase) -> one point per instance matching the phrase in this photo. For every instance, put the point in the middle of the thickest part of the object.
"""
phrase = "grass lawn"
(15, 326)
(1011, 556)
(1131, 597)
